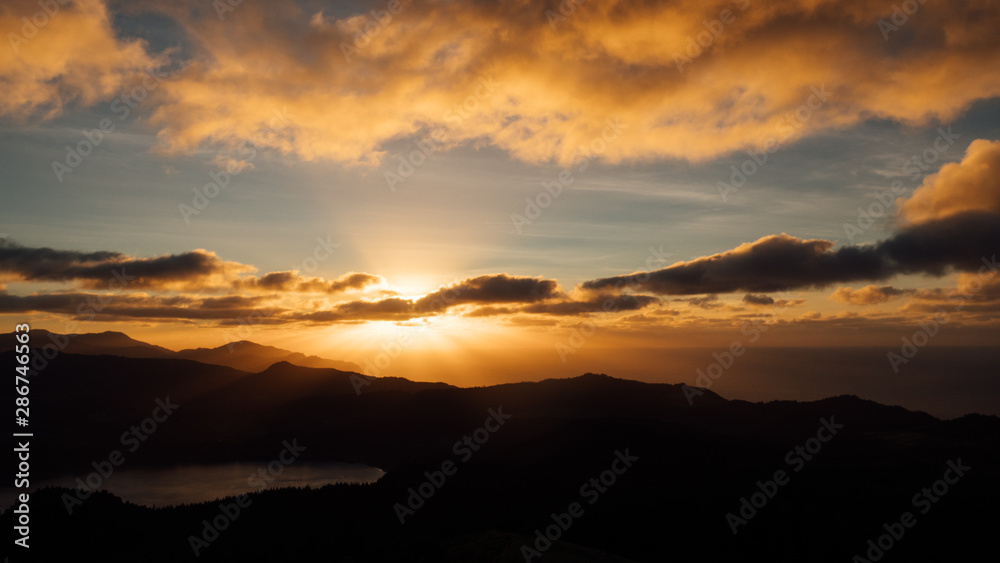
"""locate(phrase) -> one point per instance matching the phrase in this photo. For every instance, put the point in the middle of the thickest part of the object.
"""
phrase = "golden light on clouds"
(415, 76)
(501, 73)
(867, 295)
(970, 185)
(69, 56)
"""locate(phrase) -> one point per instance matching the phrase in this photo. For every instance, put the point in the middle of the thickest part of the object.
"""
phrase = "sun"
(412, 286)
(382, 347)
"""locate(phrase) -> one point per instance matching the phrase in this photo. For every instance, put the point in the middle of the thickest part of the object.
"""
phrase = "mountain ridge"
(244, 355)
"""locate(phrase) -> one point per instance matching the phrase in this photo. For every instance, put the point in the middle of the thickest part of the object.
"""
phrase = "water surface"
(203, 483)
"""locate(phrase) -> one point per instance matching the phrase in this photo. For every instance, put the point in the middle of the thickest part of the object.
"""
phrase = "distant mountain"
(243, 355)
(249, 356)
(91, 344)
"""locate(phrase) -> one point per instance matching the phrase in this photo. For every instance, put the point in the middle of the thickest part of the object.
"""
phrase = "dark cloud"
(958, 242)
(386, 309)
(136, 306)
(111, 269)
(197, 269)
(391, 309)
(706, 302)
(293, 282)
(491, 288)
(770, 264)
(753, 299)
(274, 280)
(229, 302)
(48, 263)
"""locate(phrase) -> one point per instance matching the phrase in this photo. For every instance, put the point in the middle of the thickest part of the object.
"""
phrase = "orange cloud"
(970, 185)
(975, 296)
(868, 295)
(500, 73)
(619, 80)
(69, 53)
(292, 281)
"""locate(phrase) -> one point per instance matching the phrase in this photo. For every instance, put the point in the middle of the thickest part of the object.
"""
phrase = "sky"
(495, 191)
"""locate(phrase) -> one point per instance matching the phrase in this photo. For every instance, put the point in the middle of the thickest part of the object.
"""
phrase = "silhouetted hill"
(113, 343)
(284, 383)
(249, 356)
(243, 355)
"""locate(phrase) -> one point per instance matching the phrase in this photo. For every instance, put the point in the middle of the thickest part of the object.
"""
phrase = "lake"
(204, 483)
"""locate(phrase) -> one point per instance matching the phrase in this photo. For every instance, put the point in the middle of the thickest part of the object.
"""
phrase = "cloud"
(102, 269)
(753, 299)
(970, 185)
(974, 294)
(470, 72)
(137, 306)
(489, 312)
(868, 295)
(194, 270)
(491, 288)
(74, 55)
(761, 300)
(772, 263)
(291, 281)
(47, 263)
(564, 307)
(391, 309)
(707, 302)
(962, 241)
